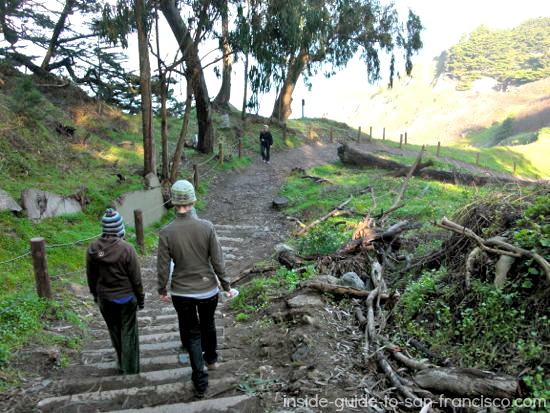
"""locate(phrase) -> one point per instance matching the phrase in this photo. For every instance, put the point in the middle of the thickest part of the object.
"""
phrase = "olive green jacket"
(198, 258)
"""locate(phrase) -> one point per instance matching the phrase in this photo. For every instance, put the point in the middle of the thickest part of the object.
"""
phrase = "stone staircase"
(164, 384)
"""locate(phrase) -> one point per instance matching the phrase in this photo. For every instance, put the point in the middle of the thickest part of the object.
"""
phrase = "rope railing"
(232, 149)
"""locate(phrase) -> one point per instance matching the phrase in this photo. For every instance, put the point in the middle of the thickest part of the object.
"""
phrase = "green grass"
(530, 159)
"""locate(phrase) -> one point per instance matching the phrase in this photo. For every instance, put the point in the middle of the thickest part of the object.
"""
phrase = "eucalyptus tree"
(222, 98)
(290, 39)
(200, 16)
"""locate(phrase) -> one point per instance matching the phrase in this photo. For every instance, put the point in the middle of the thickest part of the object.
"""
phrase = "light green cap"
(183, 193)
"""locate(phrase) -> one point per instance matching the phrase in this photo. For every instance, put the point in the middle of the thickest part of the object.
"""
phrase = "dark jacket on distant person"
(266, 138)
(113, 270)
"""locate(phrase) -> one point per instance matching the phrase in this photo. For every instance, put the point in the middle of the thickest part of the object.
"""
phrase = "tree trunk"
(467, 382)
(163, 109)
(282, 110)
(196, 75)
(59, 26)
(145, 86)
(222, 99)
(243, 112)
(176, 159)
(353, 156)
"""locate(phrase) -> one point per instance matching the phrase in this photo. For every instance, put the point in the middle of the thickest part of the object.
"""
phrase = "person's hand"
(164, 298)
(229, 294)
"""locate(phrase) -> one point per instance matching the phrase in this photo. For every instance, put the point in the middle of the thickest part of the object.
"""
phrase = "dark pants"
(198, 334)
(122, 323)
(264, 149)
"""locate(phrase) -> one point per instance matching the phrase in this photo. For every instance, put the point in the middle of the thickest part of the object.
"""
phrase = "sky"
(445, 21)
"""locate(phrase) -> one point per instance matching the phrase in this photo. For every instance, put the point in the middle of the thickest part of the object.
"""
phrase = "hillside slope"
(430, 108)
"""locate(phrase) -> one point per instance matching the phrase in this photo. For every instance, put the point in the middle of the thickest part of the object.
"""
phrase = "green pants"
(121, 320)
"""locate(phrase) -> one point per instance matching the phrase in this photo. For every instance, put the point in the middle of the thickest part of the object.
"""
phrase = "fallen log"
(254, 270)
(290, 259)
(467, 382)
(353, 156)
(339, 290)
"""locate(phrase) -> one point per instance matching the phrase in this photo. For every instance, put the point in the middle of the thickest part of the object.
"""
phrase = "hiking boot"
(200, 394)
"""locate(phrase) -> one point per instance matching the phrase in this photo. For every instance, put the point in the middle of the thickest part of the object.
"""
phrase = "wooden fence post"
(370, 134)
(331, 136)
(384, 133)
(515, 165)
(400, 140)
(138, 222)
(196, 176)
(359, 134)
(310, 131)
(220, 154)
(405, 138)
(40, 264)
(438, 148)
(477, 159)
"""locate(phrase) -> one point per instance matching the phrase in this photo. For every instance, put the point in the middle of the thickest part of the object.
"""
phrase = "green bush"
(27, 101)
(321, 239)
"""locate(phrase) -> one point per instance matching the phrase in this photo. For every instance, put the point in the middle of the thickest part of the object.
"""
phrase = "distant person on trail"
(114, 279)
(191, 243)
(266, 140)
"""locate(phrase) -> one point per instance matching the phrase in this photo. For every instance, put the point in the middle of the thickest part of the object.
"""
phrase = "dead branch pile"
(374, 251)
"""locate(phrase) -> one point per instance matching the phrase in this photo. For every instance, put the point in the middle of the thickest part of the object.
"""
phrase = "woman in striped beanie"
(114, 279)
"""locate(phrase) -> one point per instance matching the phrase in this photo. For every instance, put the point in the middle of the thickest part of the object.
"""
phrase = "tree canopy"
(511, 56)
(290, 38)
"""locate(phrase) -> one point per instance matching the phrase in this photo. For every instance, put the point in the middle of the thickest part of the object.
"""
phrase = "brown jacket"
(198, 258)
(113, 270)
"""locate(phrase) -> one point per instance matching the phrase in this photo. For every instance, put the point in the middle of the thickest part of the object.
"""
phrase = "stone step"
(118, 381)
(145, 350)
(131, 397)
(159, 362)
(105, 342)
(230, 239)
(98, 333)
(228, 227)
(232, 404)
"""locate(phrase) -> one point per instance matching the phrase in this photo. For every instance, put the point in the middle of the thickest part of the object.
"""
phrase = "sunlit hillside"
(430, 109)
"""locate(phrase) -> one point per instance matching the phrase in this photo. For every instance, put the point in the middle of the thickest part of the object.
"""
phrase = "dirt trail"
(244, 199)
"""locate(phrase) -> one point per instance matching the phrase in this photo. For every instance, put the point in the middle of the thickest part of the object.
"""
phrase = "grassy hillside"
(102, 160)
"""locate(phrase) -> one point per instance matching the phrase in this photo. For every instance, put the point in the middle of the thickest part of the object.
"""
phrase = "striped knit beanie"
(112, 223)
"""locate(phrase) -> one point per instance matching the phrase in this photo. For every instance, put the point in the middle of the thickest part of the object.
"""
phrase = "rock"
(7, 203)
(151, 181)
(149, 201)
(301, 353)
(279, 202)
(324, 278)
(78, 290)
(351, 279)
(225, 121)
(303, 300)
(279, 248)
(42, 204)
